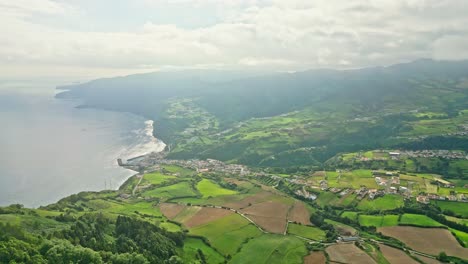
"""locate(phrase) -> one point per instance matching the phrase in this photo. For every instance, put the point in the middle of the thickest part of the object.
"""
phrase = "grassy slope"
(228, 233)
(310, 232)
(272, 249)
(210, 189)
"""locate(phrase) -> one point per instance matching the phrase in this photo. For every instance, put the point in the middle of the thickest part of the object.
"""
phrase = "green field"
(157, 178)
(310, 232)
(420, 220)
(181, 189)
(388, 202)
(271, 249)
(228, 233)
(170, 227)
(455, 207)
(350, 215)
(327, 198)
(378, 220)
(191, 247)
(342, 228)
(210, 189)
(461, 235)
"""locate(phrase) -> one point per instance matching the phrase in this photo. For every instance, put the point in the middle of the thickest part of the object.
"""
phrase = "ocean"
(50, 149)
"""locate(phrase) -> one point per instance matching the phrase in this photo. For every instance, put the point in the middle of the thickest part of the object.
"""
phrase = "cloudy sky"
(93, 38)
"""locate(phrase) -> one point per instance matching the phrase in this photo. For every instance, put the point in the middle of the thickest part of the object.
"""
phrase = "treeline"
(92, 238)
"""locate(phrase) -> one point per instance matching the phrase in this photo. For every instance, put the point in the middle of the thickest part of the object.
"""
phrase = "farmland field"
(316, 257)
(157, 178)
(431, 241)
(191, 247)
(348, 253)
(378, 220)
(272, 249)
(170, 210)
(388, 202)
(310, 232)
(210, 189)
(456, 207)
(299, 213)
(250, 200)
(170, 227)
(186, 214)
(350, 215)
(206, 215)
(180, 189)
(228, 233)
(463, 236)
(343, 229)
(270, 215)
(394, 255)
(420, 220)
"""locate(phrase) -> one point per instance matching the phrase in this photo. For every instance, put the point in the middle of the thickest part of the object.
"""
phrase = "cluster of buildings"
(439, 153)
(306, 194)
(153, 160)
(426, 198)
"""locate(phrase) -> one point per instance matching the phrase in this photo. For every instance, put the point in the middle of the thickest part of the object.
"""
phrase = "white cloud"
(276, 35)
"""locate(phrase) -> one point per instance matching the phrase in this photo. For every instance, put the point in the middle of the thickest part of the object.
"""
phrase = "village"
(152, 162)
(388, 181)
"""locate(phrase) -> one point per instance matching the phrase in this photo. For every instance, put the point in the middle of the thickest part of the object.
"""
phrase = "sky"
(97, 38)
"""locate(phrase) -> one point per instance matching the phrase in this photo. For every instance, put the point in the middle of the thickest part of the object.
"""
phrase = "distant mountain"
(215, 114)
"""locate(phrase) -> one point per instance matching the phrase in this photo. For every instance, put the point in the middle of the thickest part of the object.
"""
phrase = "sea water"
(50, 149)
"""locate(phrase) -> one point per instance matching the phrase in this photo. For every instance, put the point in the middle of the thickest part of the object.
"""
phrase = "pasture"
(270, 248)
(191, 247)
(378, 220)
(387, 202)
(348, 253)
(299, 213)
(315, 257)
(455, 207)
(156, 178)
(270, 215)
(227, 234)
(394, 255)
(210, 189)
(420, 220)
(431, 241)
(309, 232)
(181, 189)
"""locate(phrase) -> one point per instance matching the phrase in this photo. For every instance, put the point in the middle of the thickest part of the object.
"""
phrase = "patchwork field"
(396, 256)
(431, 241)
(388, 202)
(316, 257)
(227, 234)
(206, 215)
(378, 220)
(420, 220)
(270, 248)
(250, 200)
(299, 213)
(210, 189)
(350, 215)
(170, 210)
(181, 189)
(156, 178)
(186, 213)
(344, 230)
(455, 207)
(309, 232)
(271, 216)
(193, 245)
(348, 253)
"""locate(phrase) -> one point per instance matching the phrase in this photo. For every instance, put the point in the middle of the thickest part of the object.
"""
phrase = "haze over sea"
(50, 149)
